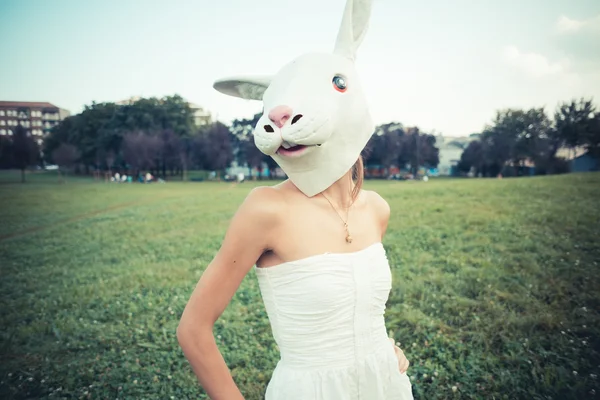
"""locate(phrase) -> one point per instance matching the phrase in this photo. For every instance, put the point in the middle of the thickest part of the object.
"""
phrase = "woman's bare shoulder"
(379, 207)
(263, 202)
(377, 202)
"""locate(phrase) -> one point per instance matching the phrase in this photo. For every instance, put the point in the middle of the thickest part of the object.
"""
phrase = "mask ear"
(246, 87)
(353, 28)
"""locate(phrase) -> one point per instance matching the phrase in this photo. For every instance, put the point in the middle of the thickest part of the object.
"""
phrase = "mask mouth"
(292, 150)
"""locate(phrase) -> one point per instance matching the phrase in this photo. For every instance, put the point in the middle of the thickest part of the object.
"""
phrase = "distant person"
(240, 177)
(314, 242)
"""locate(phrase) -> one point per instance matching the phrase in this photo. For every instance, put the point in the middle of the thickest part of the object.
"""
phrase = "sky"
(444, 66)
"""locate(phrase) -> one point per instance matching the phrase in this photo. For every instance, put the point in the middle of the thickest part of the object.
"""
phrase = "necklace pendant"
(349, 239)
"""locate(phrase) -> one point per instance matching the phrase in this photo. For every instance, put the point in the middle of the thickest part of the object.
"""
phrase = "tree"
(577, 123)
(169, 151)
(214, 149)
(140, 151)
(385, 146)
(65, 156)
(430, 154)
(592, 136)
(473, 157)
(419, 150)
(532, 141)
(185, 154)
(516, 137)
(244, 149)
(98, 132)
(6, 152)
(574, 121)
(25, 150)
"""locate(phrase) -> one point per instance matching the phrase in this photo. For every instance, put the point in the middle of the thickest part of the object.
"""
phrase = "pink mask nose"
(280, 114)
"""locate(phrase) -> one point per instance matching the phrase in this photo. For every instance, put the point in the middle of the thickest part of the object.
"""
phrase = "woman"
(280, 229)
(315, 240)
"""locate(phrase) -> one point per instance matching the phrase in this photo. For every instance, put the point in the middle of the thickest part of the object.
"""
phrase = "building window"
(50, 116)
(1, 113)
(2, 122)
(10, 132)
(2, 131)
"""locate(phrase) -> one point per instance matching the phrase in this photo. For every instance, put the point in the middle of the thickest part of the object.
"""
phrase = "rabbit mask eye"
(339, 83)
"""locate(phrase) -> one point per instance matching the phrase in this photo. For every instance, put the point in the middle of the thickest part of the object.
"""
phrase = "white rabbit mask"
(316, 119)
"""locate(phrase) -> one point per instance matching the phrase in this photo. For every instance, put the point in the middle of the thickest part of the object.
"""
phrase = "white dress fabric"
(327, 317)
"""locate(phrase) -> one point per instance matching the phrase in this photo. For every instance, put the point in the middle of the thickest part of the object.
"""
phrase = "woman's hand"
(403, 362)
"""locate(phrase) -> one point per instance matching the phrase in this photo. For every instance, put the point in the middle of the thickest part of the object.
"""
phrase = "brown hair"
(358, 172)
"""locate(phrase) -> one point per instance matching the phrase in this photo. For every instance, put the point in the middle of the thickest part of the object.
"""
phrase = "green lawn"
(496, 288)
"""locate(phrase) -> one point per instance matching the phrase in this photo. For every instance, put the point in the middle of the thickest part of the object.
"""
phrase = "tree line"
(158, 135)
(521, 139)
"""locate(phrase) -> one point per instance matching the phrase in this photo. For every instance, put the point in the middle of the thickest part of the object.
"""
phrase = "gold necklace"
(348, 236)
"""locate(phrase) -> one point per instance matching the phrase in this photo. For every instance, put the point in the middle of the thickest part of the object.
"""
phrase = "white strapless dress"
(327, 317)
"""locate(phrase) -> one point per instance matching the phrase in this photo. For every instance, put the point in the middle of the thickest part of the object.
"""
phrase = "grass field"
(496, 288)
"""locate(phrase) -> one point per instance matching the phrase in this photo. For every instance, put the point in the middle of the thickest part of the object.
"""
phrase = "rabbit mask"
(316, 120)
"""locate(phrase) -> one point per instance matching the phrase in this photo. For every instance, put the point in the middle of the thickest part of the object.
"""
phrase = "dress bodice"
(327, 316)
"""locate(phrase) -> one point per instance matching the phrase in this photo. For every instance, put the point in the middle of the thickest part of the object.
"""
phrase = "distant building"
(38, 118)
(201, 116)
(579, 159)
(570, 153)
(585, 163)
(451, 148)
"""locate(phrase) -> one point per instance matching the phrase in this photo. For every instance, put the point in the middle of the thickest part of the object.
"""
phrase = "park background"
(494, 256)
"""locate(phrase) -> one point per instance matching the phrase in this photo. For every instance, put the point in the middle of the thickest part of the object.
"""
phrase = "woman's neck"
(340, 192)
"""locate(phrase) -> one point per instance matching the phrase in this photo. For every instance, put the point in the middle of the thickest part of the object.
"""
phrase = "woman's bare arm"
(381, 210)
(248, 236)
